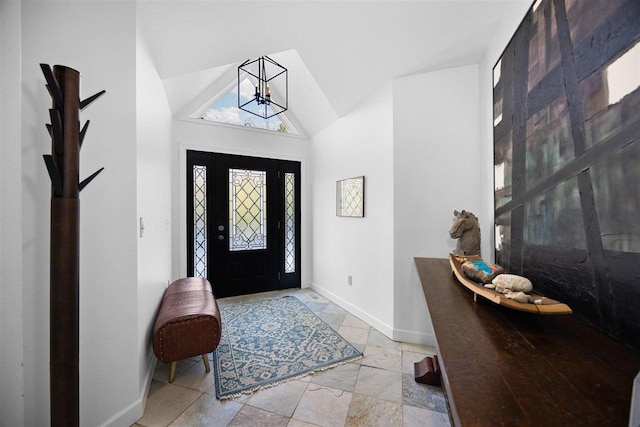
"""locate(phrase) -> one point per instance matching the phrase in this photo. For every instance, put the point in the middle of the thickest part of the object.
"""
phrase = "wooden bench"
(187, 324)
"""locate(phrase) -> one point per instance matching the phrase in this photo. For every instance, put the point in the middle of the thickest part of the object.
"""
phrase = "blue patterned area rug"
(270, 341)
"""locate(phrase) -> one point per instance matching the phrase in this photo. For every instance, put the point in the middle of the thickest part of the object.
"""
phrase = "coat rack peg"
(52, 86)
(83, 132)
(84, 104)
(54, 174)
(89, 179)
(56, 127)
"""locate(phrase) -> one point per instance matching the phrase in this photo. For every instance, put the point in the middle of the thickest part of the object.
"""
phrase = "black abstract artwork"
(567, 158)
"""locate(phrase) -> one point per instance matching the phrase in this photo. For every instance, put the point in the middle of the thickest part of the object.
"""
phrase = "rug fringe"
(286, 380)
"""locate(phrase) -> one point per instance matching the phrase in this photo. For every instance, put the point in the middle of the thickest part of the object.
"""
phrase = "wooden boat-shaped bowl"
(544, 306)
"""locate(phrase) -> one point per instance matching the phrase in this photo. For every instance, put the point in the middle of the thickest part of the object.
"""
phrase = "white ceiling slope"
(309, 109)
(337, 52)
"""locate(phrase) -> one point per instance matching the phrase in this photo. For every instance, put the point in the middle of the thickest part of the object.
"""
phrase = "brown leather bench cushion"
(188, 321)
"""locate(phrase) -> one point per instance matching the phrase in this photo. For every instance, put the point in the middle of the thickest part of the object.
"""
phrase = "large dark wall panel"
(567, 158)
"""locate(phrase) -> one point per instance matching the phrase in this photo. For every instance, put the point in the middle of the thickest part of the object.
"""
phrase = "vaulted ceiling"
(337, 52)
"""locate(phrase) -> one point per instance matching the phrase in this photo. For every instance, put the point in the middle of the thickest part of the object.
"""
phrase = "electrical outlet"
(350, 280)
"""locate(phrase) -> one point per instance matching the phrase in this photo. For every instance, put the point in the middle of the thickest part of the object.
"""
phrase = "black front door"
(243, 222)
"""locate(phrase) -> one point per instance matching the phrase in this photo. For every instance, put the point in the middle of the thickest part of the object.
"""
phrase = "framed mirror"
(350, 197)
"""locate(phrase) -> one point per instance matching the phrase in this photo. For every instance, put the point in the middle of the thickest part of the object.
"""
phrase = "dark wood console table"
(504, 367)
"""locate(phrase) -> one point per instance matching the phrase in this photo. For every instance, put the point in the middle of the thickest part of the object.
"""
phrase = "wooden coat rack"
(63, 165)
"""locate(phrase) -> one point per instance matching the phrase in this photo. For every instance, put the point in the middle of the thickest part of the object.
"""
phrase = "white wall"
(360, 143)
(154, 181)
(11, 333)
(98, 39)
(436, 170)
(189, 135)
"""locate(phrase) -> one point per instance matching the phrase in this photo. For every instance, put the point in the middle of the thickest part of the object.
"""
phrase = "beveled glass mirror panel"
(350, 197)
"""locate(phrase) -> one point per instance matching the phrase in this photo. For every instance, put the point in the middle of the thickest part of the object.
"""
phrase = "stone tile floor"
(377, 390)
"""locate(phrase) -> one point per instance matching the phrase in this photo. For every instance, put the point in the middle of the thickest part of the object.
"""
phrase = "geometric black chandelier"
(270, 80)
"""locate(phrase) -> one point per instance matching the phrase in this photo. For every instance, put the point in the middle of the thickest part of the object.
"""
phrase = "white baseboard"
(403, 335)
(148, 379)
(135, 411)
(127, 416)
(414, 337)
(356, 311)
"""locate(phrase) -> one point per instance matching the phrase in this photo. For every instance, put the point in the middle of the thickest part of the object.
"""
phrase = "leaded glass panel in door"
(247, 210)
(199, 221)
(290, 223)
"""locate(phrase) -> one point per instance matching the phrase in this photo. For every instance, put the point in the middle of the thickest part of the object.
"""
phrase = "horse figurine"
(466, 229)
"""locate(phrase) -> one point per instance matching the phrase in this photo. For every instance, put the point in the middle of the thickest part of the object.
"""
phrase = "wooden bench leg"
(173, 371)
(205, 358)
